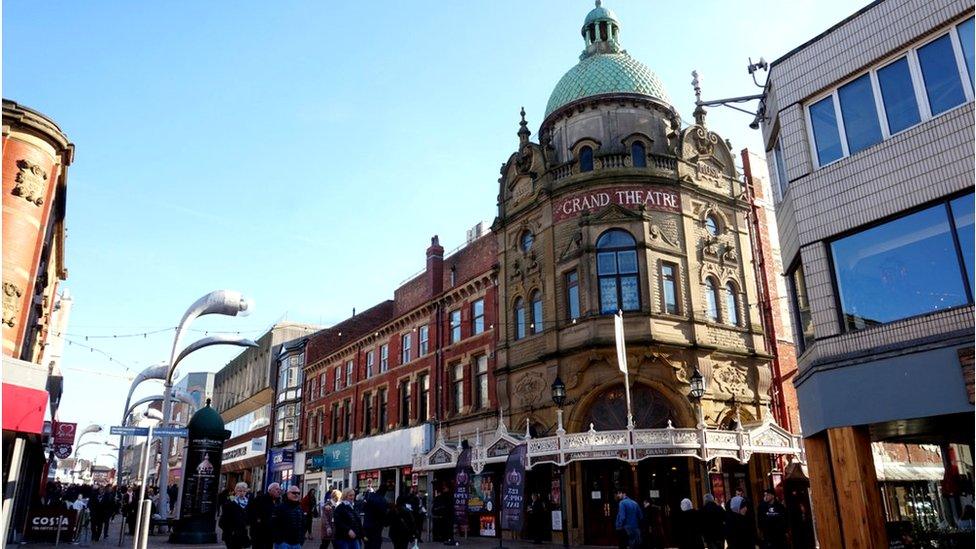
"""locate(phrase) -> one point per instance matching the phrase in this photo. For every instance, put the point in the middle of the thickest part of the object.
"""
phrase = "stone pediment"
(615, 213)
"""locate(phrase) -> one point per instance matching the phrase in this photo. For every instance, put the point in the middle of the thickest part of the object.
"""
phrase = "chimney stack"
(435, 267)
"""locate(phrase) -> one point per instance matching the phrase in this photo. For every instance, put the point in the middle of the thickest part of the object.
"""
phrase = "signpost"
(142, 518)
(171, 432)
(129, 431)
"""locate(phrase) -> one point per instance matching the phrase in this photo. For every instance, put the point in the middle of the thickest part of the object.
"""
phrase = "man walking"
(288, 521)
(628, 520)
(376, 509)
(772, 521)
(259, 515)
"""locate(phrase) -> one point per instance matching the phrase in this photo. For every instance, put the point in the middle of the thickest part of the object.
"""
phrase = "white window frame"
(349, 369)
(384, 358)
(423, 340)
(338, 378)
(406, 342)
(918, 84)
(370, 362)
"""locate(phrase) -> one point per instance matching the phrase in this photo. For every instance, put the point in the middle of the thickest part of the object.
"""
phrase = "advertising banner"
(64, 433)
(513, 489)
(462, 488)
(482, 494)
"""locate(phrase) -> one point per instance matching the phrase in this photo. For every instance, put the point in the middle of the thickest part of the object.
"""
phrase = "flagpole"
(618, 331)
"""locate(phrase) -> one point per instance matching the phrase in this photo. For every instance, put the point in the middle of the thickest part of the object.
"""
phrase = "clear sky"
(305, 152)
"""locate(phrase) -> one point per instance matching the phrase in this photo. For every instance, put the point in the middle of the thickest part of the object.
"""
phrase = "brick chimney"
(435, 267)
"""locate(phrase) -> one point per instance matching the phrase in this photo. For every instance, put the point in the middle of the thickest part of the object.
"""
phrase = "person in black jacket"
(288, 521)
(259, 516)
(348, 527)
(687, 529)
(233, 519)
(712, 520)
(772, 521)
(375, 513)
(402, 527)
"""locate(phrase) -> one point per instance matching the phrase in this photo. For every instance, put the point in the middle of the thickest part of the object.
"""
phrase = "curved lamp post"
(93, 428)
(220, 302)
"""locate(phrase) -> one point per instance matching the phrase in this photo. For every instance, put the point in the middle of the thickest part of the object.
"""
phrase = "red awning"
(23, 409)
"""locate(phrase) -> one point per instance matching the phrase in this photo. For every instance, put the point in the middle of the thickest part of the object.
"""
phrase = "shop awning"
(630, 445)
(24, 396)
(909, 472)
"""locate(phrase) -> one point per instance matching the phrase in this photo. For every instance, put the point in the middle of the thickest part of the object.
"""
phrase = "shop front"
(387, 459)
(244, 462)
(313, 478)
(335, 461)
(281, 466)
(662, 465)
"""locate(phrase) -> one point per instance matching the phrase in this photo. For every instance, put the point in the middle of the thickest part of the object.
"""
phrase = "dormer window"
(586, 159)
(638, 155)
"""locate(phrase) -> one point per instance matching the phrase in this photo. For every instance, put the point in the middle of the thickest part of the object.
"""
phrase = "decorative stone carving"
(31, 181)
(731, 379)
(530, 388)
(704, 141)
(11, 303)
(658, 235)
(730, 255)
(572, 246)
(710, 247)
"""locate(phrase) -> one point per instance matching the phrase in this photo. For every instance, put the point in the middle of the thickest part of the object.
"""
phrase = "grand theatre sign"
(647, 197)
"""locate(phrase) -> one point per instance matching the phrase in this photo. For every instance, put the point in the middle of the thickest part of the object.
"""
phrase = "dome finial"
(699, 110)
(523, 132)
(599, 3)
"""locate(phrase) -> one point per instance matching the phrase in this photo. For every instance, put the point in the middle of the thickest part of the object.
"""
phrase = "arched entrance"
(663, 481)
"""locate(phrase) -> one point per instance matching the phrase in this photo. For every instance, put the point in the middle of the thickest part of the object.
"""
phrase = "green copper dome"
(606, 73)
(604, 66)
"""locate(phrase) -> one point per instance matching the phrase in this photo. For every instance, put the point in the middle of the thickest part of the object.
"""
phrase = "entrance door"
(601, 480)
(665, 481)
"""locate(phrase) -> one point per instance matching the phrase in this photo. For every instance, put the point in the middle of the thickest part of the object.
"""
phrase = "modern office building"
(870, 128)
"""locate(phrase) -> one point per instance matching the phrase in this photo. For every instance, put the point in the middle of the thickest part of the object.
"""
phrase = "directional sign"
(171, 432)
(129, 431)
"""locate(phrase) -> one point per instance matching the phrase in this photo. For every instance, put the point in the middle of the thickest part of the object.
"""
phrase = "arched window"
(586, 159)
(536, 312)
(731, 304)
(616, 265)
(711, 299)
(711, 224)
(526, 241)
(638, 154)
(519, 318)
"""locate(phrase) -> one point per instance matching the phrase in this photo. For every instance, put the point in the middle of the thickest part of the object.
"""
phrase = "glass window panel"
(711, 225)
(627, 262)
(942, 83)
(536, 313)
(519, 319)
(962, 213)
(966, 39)
(903, 268)
(572, 298)
(731, 304)
(615, 239)
(608, 295)
(668, 283)
(898, 94)
(606, 263)
(860, 114)
(629, 294)
(586, 159)
(711, 300)
(780, 168)
(825, 134)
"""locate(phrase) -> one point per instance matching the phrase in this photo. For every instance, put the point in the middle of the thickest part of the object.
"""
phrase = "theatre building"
(873, 149)
(619, 207)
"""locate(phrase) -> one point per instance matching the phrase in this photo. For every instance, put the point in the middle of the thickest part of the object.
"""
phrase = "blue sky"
(305, 152)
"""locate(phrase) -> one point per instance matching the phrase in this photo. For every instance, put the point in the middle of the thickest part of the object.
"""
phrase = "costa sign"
(634, 198)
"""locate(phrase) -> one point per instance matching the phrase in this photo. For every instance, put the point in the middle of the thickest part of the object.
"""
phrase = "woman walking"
(348, 526)
(233, 519)
(328, 518)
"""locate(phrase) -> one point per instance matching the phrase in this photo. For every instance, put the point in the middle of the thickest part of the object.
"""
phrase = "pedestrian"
(416, 507)
(535, 518)
(259, 516)
(442, 515)
(687, 527)
(234, 519)
(327, 513)
(739, 533)
(348, 526)
(402, 527)
(712, 520)
(628, 520)
(772, 521)
(375, 517)
(310, 510)
(172, 492)
(102, 507)
(288, 521)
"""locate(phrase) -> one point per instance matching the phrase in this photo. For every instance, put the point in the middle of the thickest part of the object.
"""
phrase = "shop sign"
(43, 523)
(337, 456)
(282, 459)
(369, 479)
(393, 449)
(62, 451)
(241, 451)
(633, 198)
(314, 462)
(64, 433)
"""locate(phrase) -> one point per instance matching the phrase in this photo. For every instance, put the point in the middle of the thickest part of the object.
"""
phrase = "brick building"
(36, 156)
(870, 128)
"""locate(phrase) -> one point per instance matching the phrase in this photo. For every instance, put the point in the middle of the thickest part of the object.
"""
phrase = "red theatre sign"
(650, 197)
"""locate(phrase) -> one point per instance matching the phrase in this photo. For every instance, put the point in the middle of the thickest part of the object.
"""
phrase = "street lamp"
(93, 428)
(220, 302)
(157, 372)
(558, 390)
(697, 383)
